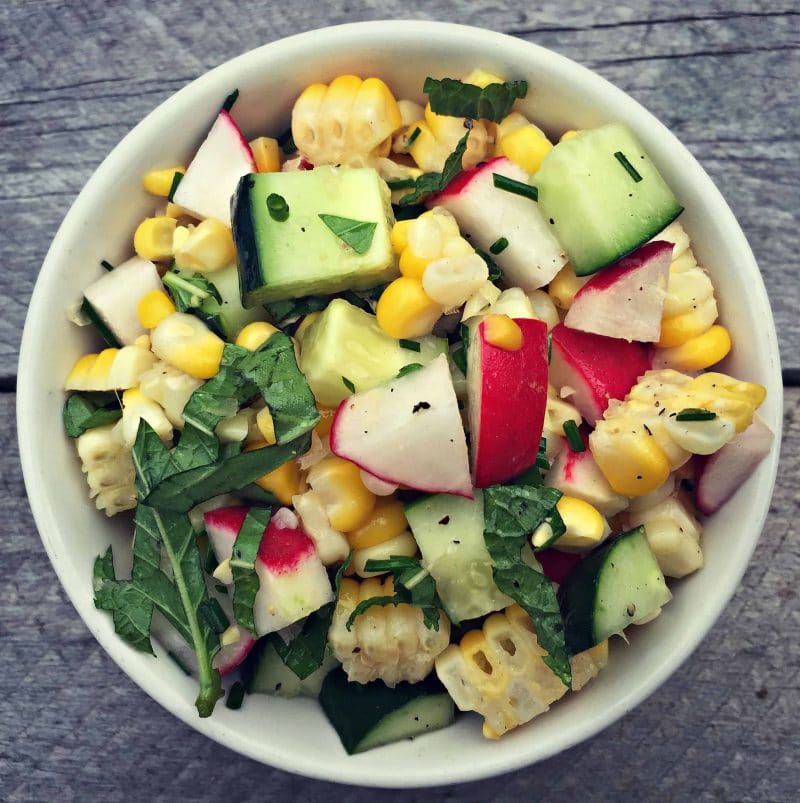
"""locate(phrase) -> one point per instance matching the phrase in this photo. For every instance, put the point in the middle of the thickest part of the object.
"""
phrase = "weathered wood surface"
(76, 76)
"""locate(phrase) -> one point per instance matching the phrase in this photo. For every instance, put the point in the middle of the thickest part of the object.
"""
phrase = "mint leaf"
(429, 183)
(151, 459)
(511, 514)
(355, 233)
(305, 653)
(245, 578)
(457, 99)
(81, 413)
(288, 311)
(189, 292)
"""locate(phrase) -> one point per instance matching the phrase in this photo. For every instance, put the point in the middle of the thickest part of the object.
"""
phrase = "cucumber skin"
(577, 595)
(356, 710)
(244, 237)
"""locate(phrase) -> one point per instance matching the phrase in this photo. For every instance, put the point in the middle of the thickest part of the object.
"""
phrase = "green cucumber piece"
(371, 715)
(449, 532)
(599, 211)
(270, 675)
(618, 584)
(299, 255)
(345, 341)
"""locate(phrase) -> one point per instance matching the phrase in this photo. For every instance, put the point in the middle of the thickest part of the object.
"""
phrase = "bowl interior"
(293, 734)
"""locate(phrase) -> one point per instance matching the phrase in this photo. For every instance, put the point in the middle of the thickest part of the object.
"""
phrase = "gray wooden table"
(76, 76)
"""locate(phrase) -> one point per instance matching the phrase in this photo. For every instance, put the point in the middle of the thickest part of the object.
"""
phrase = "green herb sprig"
(458, 99)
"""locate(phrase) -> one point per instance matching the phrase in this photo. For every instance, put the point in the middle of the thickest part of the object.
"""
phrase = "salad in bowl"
(411, 407)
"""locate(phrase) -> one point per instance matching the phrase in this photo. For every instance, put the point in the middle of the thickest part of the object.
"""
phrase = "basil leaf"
(511, 514)
(81, 414)
(357, 234)
(288, 311)
(429, 183)
(305, 653)
(245, 578)
(457, 99)
(151, 459)
(189, 292)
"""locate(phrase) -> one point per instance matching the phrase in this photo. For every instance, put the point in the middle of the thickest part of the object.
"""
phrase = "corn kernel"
(304, 325)
(101, 368)
(632, 462)
(679, 329)
(153, 238)
(502, 332)
(209, 247)
(567, 135)
(185, 342)
(526, 147)
(564, 286)
(405, 311)
(338, 483)
(388, 520)
(698, 353)
(266, 153)
(159, 182)
(399, 235)
(153, 307)
(266, 426)
(586, 527)
(76, 379)
(255, 334)
(482, 78)
(284, 482)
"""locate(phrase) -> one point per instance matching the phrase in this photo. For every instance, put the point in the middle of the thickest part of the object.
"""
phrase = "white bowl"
(294, 735)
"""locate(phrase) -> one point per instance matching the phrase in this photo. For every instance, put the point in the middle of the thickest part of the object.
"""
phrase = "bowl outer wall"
(293, 735)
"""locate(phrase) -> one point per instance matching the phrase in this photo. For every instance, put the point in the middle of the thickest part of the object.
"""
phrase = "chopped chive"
(573, 437)
(409, 369)
(230, 100)
(348, 384)
(411, 345)
(212, 614)
(623, 160)
(235, 697)
(176, 180)
(277, 207)
(412, 138)
(498, 246)
(695, 414)
(549, 348)
(106, 264)
(517, 187)
(180, 663)
(460, 359)
(494, 269)
(401, 183)
(286, 142)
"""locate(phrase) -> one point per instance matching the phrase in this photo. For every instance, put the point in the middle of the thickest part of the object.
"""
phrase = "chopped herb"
(189, 292)
(411, 345)
(211, 613)
(549, 347)
(235, 696)
(573, 436)
(106, 265)
(305, 653)
(173, 188)
(458, 99)
(288, 311)
(400, 183)
(498, 246)
(357, 234)
(494, 269)
(277, 207)
(409, 369)
(88, 311)
(459, 356)
(408, 212)
(630, 169)
(286, 142)
(245, 579)
(516, 187)
(87, 411)
(695, 414)
(412, 137)
(348, 384)
(429, 183)
(230, 100)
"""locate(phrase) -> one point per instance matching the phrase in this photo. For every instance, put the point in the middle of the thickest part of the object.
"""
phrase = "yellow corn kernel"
(153, 307)
(76, 379)
(727, 397)
(159, 182)
(411, 265)
(267, 155)
(526, 147)
(482, 78)
(677, 330)
(388, 520)
(266, 426)
(567, 135)
(101, 368)
(326, 414)
(153, 238)
(405, 311)
(399, 235)
(304, 324)
(347, 502)
(186, 343)
(502, 332)
(209, 247)
(254, 335)
(284, 482)
(564, 286)
(699, 352)
(425, 149)
(586, 527)
(173, 210)
(630, 459)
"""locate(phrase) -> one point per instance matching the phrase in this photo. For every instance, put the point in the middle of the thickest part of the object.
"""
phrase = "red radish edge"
(464, 178)
(226, 115)
(610, 276)
(282, 549)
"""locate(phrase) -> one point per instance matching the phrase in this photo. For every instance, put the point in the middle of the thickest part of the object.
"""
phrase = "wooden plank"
(74, 728)
(722, 79)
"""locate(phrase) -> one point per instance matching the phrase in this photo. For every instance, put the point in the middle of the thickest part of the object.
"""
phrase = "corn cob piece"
(111, 369)
(106, 461)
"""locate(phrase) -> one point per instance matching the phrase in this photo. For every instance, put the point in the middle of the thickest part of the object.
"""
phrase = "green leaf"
(409, 369)
(245, 578)
(495, 273)
(195, 448)
(179, 493)
(81, 413)
(277, 207)
(151, 459)
(511, 514)
(457, 99)
(305, 653)
(189, 292)
(288, 311)
(429, 183)
(410, 345)
(357, 234)
(348, 384)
